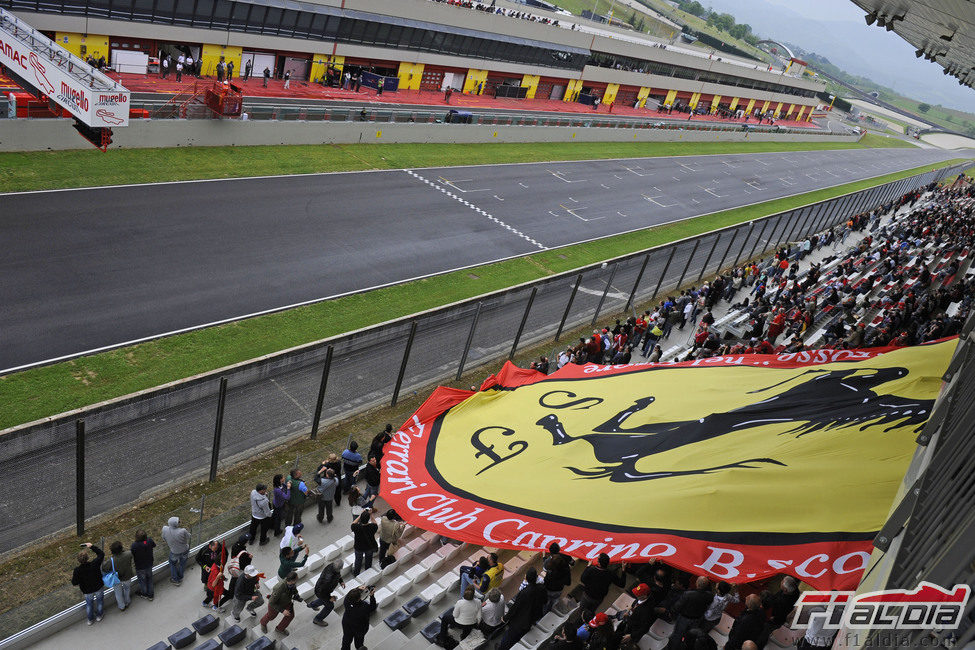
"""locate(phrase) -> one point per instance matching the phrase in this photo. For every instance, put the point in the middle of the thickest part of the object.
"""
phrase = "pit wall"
(57, 135)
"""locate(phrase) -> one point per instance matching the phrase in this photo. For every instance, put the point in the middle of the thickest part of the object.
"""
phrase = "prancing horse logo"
(827, 399)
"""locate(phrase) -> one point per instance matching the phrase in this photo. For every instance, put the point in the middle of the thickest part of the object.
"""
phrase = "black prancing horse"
(830, 399)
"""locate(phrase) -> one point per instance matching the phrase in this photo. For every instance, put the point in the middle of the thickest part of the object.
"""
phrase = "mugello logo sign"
(91, 106)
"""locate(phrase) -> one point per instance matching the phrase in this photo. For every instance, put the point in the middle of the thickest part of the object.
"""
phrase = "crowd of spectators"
(899, 285)
(492, 9)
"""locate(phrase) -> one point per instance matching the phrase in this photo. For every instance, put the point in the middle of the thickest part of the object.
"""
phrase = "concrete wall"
(56, 135)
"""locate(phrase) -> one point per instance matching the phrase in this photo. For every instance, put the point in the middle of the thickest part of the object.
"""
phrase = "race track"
(93, 268)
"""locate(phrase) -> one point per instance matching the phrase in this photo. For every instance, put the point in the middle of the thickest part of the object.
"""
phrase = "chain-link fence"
(153, 440)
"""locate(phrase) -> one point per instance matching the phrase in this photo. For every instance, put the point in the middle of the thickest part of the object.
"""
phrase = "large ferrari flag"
(737, 467)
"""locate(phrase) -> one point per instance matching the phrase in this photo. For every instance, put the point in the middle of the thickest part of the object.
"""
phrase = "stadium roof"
(943, 31)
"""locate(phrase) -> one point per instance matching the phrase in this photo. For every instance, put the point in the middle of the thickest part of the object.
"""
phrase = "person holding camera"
(88, 577)
(355, 620)
(364, 531)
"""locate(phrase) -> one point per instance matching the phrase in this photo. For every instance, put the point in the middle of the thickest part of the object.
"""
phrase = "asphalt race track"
(86, 269)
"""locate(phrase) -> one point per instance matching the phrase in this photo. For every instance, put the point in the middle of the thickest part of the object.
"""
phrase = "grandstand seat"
(724, 625)
(232, 635)
(348, 562)
(271, 581)
(262, 643)
(449, 581)
(429, 536)
(650, 643)
(384, 597)
(210, 644)
(431, 630)
(534, 638)
(345, 543)
(418, 642)
(315, 561)
(784, 637)
(206, 624)
(416, 573)
(623, 602)
(718, 638)
(550, 622)
(369, 577)
(416, 606)
(432, 562)
(306, 589)
(390, 568)
(183, 638)
(434, 593)
(416, 545)
(394, 641)
(661, 629)
(162, 645)
(397, 620)
(399, 585)
(331, 552)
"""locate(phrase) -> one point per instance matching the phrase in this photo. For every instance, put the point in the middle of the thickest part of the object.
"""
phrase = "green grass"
(53, 389)
(43, 170)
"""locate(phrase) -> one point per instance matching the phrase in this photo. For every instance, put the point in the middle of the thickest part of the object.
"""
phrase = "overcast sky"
(836, 29)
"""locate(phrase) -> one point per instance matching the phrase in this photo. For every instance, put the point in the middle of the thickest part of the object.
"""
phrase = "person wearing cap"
(638, 618)
(525, 610)
(292, 537)
(689, 610)
(247, 593)
(599, 632)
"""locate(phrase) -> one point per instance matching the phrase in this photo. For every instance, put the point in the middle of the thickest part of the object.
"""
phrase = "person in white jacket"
(465, 615)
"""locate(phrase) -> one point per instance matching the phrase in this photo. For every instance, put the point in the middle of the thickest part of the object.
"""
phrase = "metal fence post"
(218, 429)
(751, 228)
(690, 259)
(321, 393)
(704, 267)
(636, 285)
(568, 306)
(402, 365)
(660, 282)
(79, 473)
(470, 340)
(734, 236)
(524, 321)
(751, 254)
(612, 274)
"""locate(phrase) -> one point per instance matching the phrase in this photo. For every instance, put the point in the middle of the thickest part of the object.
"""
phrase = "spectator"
(289, 560)
(282, 493)
(327, 491)
(351, 459)
(378, 443)
(178, 540)
(690, 610)
(335, 464)
(525, 610)
(391, 528)
(495, 572)
(749, 626)
(491, 612)
(364, 531)
(292, 537)
(465, 615)
(372, 477)
(558, 576)
(328, 580)
(207, 557)
(355, 620)
(724, 597)
(260, 514)
(267, 75)
(87, 576)
(120, 563)
(596, 581)
(247, 595)
(282, 601)
(143, 556)
(296, 499)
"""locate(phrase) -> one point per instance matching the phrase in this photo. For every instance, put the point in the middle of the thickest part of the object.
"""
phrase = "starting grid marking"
(476, 209)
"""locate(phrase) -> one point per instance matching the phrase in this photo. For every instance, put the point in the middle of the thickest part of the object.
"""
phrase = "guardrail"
(261, 111)
(125, 447)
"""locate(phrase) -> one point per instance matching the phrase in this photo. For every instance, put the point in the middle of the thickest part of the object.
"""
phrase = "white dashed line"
(478, 210)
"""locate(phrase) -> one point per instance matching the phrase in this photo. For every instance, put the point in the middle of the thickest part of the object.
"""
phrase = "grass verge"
(41, 392)
(46, 170)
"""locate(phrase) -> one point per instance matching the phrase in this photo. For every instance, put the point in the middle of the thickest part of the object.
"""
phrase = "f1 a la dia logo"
(926, 607)
(702, 440)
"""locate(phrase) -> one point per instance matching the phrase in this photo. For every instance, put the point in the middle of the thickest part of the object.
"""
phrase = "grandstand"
(882, 256)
